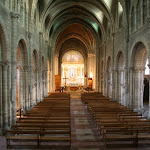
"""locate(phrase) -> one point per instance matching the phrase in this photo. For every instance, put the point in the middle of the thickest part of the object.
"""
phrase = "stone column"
(37, 85)
(116, 84)
(4, 95)
(26, 70)
(149, 86)
(105, 70)
(21, 87)
(131, 87)
(31, 102)
(137, 90)
(113, 65)
(15, 18)
(1, 103)
(45, 82)
(127, 86)
(52, 71)
(142, 71)
(119, 86)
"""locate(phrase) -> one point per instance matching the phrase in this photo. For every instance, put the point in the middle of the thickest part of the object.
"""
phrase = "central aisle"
(84, 133)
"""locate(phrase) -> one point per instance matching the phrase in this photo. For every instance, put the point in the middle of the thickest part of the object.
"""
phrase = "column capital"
(14, 62)
(139, 68)
(46, 42)
(36, 69)
(29, 35)
(26, 68)
(41, 34)
(131, 68)
(91, 55)
(4, 64)
(113, 34)
(19, 67)
(15, 15)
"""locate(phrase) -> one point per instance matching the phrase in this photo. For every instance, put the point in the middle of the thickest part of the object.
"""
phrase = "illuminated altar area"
(72, 69)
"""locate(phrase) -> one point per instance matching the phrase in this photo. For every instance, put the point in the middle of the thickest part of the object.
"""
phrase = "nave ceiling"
(81, 22)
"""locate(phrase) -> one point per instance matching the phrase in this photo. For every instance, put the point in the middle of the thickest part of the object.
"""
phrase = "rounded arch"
(23, 48)
(139, 55)
(67, 50)
(120, 62)
(35, 58)
(138, 61)
(43, 63)
(120, 78)
(109, 63)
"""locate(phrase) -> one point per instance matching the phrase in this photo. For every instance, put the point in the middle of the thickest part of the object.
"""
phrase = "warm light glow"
(91, 75)
(147, 68)
(72, 69)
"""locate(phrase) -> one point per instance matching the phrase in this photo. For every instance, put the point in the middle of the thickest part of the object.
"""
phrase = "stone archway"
(120, 78)
(138, 61)
(21, 77)
(109, 77)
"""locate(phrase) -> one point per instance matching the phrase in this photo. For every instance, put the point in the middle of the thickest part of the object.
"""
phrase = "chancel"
(72, 69)
(74, 74)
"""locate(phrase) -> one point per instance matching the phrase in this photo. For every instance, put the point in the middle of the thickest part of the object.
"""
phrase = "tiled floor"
(84, 132)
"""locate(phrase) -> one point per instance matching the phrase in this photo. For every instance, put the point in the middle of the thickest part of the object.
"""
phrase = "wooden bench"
(40, 136)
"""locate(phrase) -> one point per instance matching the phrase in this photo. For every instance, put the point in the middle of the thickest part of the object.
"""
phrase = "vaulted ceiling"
(84, 22)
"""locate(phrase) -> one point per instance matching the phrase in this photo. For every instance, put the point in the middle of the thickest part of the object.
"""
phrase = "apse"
(72, 69)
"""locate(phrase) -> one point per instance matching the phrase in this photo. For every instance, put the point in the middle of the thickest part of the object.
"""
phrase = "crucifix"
(65, 80)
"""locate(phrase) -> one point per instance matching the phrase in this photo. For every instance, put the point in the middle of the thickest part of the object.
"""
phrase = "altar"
(73, 88)
(72, 70)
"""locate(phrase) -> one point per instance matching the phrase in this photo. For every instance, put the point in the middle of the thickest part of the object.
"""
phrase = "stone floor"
(84, 132)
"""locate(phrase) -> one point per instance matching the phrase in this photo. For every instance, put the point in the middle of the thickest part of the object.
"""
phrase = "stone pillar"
(15, 18)
(149, 86)
(131, 87)
(97, 70)
(127, 87)
(113, 66)
(52, 71)
(45, 81)
(37, 85)
(119, 85)
(31, 102)
(137, 90)
(142, 71)
(1, 103)
(116, 85)
(4, 95)
(26, 71)
(21, 87)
